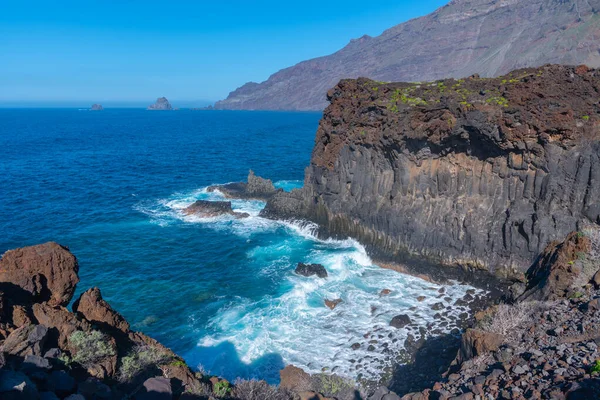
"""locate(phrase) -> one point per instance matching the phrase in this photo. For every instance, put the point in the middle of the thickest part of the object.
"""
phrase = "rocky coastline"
(474, 175)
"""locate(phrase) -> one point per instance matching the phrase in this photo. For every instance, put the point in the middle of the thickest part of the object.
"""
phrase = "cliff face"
(477, 173)
(488, 37)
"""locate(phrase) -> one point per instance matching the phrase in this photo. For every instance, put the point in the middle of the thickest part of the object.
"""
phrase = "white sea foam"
(295, 323)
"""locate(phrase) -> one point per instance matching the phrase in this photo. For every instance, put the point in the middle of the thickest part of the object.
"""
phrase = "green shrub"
(178, 363)
(221, 388)
(585, 118)
(334, 386)
(90, 347)
(596, 367)
(140, 358)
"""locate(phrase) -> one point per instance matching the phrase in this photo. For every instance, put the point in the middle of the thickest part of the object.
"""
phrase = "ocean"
(220, 292)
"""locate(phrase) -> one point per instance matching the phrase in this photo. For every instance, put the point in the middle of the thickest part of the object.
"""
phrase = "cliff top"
(515, 112)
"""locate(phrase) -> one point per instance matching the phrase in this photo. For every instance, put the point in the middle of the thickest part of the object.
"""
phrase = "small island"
(161, 104)
(96, 107)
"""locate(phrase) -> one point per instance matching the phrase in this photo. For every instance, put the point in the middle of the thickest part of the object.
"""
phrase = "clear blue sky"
(129, 50)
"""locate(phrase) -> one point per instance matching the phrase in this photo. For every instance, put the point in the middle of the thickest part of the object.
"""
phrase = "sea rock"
(259, 186)
(256, 188)
(47, 271)
(294, 378)
(96, 107)
(476, 342)
(498, 176)
(162, 104)
(331, 304)
(93, 308)
(311, 269)
(400, 321)
(209, 209)
(385, 292)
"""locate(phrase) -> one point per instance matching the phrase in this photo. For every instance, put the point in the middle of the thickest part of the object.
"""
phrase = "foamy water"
(294, 325)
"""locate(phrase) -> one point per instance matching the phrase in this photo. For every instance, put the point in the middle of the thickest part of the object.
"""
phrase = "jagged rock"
(383, 393)
(331, 304)
(26, 340)
(311, 269)
(256, 188)
(59, 318)
(209, 209)
(48, 271)
(385, 292)
(162, 104)
(498, 176)
(94, 388)
(476, 342)
(400, 321)
(97, 107)
(260, 186)
(294, 378)
(20, 316)
(557, 271)
(93, 308)
(16, 386)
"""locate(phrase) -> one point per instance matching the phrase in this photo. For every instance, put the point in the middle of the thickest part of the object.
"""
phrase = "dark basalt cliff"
(477, 173)
(488, 37)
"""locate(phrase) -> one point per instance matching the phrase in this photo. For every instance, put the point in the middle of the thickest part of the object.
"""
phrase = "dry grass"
(259, 390)
(512, 320)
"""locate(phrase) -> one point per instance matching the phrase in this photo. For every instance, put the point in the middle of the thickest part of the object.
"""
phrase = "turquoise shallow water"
(220, 292)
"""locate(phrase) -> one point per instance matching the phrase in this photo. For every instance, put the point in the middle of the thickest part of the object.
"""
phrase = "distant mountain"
(488, 37)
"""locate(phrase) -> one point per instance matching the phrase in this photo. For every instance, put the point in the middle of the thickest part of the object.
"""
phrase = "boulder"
(16, 386)
(400, 321)
(476, 342)
(385, 292)
(33, 363)
(158, 388)
(210, 209)
(294, 379)
(311, 269)
(332, 303)
(26, 340)
(47, 271)
(95, 309)
(20, 316)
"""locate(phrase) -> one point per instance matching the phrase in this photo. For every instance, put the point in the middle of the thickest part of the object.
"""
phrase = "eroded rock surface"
(256, 188)
(209, 209)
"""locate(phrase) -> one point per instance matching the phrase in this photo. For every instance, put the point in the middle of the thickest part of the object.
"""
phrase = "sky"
(131, 52)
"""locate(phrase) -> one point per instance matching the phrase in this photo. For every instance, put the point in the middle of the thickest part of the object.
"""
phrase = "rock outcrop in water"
(256, 188)
(210, 209)
(162, 104)
(97, 107)
(479, 174)
(489, 37)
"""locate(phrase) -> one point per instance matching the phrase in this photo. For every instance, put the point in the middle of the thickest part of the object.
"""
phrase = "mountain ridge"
(457, 40)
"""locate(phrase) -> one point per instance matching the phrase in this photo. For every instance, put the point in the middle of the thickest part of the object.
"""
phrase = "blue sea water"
(220, 292)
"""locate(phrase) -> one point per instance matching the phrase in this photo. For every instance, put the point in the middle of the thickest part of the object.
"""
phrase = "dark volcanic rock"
(48, 271)
(331, 304)
(311, 269)
(400, 321)
(208, 209)
(96, 107)
(256, 188)
(162, 104)
(487, 37)
(500, 168)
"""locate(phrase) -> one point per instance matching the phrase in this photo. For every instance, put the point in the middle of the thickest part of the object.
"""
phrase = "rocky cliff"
(488, 37)
(477, 174)
(162, 104)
